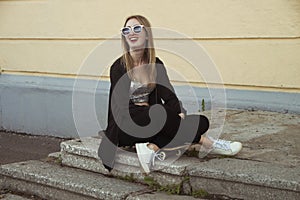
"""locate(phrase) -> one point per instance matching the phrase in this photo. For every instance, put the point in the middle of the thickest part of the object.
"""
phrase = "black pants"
(176, 131)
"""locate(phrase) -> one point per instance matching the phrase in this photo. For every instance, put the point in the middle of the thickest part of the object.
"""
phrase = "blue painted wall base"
(44, 105)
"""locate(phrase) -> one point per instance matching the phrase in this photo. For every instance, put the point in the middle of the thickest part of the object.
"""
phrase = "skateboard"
(173, 151)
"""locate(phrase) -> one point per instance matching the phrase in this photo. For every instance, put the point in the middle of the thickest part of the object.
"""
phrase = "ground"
(15, 147)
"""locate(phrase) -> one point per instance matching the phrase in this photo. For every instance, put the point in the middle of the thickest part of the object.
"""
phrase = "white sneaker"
(147, 156)
(224, 147)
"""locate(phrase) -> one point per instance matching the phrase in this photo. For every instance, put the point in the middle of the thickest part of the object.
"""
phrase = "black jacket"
(119, 105)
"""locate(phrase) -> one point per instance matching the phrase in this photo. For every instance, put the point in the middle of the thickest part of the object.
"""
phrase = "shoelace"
(220, 144)
(160, 156)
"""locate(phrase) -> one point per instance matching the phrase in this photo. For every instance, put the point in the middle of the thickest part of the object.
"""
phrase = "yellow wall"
(254, 43)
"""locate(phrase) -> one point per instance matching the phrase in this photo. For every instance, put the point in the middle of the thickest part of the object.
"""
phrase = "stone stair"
(77, 173)
(9, 196)
(56, 182)
(236, 178)
(52, 181)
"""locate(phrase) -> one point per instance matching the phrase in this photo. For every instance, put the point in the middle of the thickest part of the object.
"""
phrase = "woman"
(140, 78)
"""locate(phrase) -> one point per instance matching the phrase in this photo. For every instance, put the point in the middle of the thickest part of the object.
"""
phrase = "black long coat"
(119, 105)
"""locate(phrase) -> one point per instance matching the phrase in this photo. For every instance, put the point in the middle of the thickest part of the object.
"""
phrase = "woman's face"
(135, 40)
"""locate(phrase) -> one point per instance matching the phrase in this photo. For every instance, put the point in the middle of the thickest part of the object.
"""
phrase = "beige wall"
(254, 43)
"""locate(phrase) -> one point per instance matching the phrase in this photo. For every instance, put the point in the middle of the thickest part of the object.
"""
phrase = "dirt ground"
(15, 147)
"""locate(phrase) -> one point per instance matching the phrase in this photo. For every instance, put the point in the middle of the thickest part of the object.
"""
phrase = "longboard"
(173, 151)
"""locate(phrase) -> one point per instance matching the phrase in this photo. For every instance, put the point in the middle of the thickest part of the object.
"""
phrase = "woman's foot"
(221, 147)
(147, 153)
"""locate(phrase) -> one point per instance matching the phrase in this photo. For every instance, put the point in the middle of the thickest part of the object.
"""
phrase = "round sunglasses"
(136, 29)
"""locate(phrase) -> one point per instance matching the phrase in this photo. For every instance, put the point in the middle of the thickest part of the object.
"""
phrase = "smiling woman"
(135, 35)
(143, 108)
(138, 46)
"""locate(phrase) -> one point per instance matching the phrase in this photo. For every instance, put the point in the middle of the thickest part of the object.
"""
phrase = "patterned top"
(139, 93)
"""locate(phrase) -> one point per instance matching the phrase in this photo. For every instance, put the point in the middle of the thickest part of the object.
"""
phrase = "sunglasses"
(135, 29)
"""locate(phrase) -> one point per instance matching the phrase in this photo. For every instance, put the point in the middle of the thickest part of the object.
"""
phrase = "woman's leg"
(140, 116)
(202, 125)
(175, 131)
(191, 130)
(188, 130)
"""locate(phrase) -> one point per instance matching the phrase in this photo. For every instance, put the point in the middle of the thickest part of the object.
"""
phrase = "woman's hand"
(181, 115)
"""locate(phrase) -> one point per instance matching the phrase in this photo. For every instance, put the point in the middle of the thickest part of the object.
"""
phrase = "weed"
(170, 189)
(151, 182)
(203, 105)
(191, 153)
(58, 160)
(201, 193)
(129, 178)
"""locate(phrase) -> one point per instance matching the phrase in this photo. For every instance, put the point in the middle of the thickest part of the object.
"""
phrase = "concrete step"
(52, 181)
(13, 197)
(236, 178)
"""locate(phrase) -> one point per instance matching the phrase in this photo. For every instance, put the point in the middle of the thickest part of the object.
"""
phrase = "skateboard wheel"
(178, 153)
(163, 155)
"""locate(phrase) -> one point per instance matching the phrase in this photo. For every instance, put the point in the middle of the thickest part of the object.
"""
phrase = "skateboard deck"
(173, 151)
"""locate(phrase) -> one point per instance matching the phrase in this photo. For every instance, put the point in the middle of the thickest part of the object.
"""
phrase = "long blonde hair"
(148, 57)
